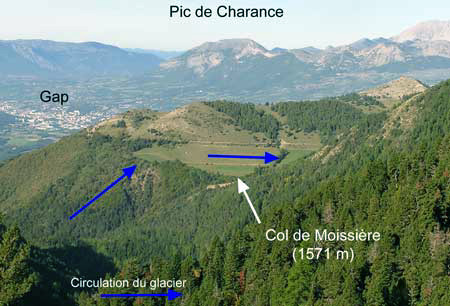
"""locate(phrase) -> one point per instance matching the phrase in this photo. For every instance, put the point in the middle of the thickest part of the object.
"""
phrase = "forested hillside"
(402, 190)
(385, 171)
(328, 116)
(248, 117)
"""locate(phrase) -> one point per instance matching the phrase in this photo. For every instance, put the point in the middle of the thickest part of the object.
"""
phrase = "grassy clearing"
(295, 155)
(300, 140)
(196, 155)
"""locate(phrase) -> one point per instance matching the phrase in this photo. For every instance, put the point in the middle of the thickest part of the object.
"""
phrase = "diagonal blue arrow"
(171, 295)
(127, 172)
(267, 157)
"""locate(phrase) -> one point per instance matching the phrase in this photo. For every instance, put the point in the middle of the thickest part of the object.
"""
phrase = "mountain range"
(241, 68)
(50, 59)
(381, 54)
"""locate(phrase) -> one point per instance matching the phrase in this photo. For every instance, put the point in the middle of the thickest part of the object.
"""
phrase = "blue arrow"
(127, 172)
(267, 157)
(172, 295)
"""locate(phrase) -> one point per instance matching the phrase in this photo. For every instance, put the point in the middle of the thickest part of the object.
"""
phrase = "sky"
(146, 23)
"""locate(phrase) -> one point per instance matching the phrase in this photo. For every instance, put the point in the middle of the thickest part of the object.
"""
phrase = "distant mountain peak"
(239, 47)
(362, 43)
(211, 54)
(365, 43)
(427, 30)
(279, 50)
(233, 43)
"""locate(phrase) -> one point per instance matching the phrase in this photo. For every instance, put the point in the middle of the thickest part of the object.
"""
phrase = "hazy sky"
(146, 23)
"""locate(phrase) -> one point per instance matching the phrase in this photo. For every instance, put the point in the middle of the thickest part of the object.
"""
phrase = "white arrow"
(242, 188)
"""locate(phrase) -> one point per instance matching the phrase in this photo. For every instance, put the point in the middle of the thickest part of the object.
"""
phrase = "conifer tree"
(16, 276)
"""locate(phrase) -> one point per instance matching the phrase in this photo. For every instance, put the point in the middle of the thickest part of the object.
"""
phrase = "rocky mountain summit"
(212, 54)
(426, 31)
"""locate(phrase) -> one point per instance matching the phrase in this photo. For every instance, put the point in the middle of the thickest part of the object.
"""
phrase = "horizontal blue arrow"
(171, 295)
(127, 172)
(267, 157)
